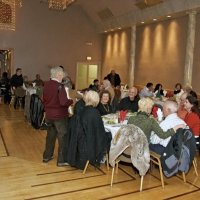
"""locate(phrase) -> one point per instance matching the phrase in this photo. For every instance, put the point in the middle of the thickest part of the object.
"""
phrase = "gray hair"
(67, 82)
(106, 83)
(55, 71)
(172, 106)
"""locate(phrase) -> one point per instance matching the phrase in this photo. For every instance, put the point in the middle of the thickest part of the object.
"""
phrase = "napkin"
(122, 115)
(154, 111)
(159, 114)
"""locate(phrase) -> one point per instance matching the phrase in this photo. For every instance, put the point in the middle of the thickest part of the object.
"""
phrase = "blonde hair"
(145, 104)
(91, 98)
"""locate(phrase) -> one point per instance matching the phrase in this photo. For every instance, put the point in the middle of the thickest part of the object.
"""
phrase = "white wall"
(45, 38)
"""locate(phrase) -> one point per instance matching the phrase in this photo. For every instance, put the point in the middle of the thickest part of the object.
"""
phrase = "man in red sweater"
(56, 101)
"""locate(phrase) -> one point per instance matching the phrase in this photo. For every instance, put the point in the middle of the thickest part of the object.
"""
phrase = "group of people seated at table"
(17, 86)
(158, 135)
(87, 138)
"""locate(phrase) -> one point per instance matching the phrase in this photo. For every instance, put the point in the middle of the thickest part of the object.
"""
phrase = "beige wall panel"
(160, 52)
(115, 53)
(196, 63)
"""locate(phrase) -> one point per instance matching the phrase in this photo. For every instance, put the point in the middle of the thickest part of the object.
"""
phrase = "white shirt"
(145, 93)
(170, 121)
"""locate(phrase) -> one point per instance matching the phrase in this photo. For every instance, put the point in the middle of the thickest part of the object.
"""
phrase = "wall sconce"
(88, 58)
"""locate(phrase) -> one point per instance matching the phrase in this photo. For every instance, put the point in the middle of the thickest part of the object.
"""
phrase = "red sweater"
(55, 100)
(193, 121)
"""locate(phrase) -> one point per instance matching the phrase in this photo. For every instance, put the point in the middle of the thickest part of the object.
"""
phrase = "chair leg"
(161, 173)
(195, 166)
(141, 183)
(117, 166)
(86, 166)
(112, 177)
(184, 179)
(107, 161)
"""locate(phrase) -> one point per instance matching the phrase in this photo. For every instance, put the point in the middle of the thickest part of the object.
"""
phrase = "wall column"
(190, 49)
(131, 74)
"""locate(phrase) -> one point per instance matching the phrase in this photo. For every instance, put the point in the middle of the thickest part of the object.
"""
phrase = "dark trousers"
(157, 148)
(18, 101)
(56, 129)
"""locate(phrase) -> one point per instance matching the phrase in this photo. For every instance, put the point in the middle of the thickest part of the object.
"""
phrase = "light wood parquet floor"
(24, 177)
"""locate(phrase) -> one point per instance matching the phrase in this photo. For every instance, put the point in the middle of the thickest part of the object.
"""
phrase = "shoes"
(62, 164)
(46, 160)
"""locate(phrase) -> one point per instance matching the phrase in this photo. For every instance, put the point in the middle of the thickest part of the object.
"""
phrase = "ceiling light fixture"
(60, 4)
(7, 13)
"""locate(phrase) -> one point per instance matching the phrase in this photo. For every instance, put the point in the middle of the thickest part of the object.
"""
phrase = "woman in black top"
(178, 88)
(104, 106)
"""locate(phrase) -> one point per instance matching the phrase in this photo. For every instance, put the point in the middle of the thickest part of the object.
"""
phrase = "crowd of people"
(82, 136)
(16, 86)
(87, 138)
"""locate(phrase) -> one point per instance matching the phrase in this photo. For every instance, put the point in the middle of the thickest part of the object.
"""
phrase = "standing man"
(56, 102)
(114, 78)
(16, 83)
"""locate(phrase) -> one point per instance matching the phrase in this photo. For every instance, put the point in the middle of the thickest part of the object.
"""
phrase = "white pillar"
(190, 48)
(131, 74)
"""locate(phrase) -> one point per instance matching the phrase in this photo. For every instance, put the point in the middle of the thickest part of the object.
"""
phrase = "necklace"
(106, 108)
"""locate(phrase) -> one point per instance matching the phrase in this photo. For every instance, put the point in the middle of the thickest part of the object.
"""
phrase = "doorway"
(6, 58)
(86, 72)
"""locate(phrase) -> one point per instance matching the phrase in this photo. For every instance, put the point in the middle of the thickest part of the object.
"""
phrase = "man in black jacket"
(17, 82)
(114, 78)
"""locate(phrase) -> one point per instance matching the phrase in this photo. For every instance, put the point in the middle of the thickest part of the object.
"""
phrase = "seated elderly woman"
(107, 86)
(88, 139)
(147, 123)
(104, 106)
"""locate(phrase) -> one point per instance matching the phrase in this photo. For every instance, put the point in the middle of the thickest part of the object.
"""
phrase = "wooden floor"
(24, 176)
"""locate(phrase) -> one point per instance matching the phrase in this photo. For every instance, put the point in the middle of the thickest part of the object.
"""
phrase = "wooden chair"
(88, 162)
(155, 158)
(126, 159)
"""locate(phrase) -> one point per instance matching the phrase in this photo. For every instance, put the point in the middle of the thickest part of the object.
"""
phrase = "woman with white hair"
(107, 86)
(91, 140)
(147, 123)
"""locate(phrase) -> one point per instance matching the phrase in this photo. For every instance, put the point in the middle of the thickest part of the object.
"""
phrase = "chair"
(88, 162)
(125, 157)
(155, 158)
(197, 138)
(130, 145)
(19, 97)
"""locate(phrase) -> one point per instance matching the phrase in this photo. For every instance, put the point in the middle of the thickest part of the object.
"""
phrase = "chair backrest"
(36, 111)
(126, 155)
(132, 139)
(20, 92)
(179, 153)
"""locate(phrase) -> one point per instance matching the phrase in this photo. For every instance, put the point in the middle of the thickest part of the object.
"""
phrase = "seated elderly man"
(170, 109)
(147, 91)
(130, 102)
